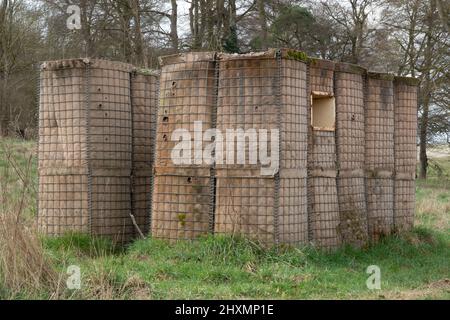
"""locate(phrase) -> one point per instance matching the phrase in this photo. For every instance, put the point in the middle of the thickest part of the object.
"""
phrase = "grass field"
(415, 265)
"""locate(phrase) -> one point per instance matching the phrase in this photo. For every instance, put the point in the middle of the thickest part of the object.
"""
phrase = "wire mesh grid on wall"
(293, 215)
(110, 133)
(247, 100)
(324, 206)
(182, 190)
(350, 145)
(405, 102)
(404, 204)
(96, 203)
(187, 95)
(63, 202)
(85, 103)
(97, 137)
(380, 203)
(349, 92)
(323, 203)
(293, 206)
(263, 91)
(111, 205)
(352, 210)
(380, 154)
(322, 76)
(405, 125)
(181, 203)
(244, 206)
(293, 114)
(63, 124)
(380, 123)
(85, 129)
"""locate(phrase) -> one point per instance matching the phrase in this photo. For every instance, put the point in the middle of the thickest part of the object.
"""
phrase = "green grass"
(18, 162)
(227, 268)
(415, 265)
(438, 174)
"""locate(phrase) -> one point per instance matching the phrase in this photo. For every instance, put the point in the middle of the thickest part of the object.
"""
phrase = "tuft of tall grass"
(25, 270)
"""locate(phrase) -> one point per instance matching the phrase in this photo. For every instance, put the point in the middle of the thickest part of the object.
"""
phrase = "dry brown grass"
(23, 264)
(415, 265)
(432, 212)
(434, 290)
(101, 285)
(24, 267)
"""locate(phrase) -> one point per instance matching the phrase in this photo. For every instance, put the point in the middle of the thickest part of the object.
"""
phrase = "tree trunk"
(411, 37)
(4, 106)
(196, 25)
(208, 22)
(174, 26)
(86, 29)
(426, 90)
(231, 42)
(126, 17)
(138, 41)
(263, 24)
(423, 138)
(359, 30)
(4, 103)
(443, 14)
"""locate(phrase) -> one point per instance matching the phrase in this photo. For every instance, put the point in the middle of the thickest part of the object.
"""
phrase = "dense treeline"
(405, 37)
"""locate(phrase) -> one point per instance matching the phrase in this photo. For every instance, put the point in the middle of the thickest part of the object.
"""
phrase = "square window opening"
(323, 112)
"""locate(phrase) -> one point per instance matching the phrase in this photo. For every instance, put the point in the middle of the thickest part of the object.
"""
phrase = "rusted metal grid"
(324, 206)
(350, 148)
(85, 148)
(405, 107)
(183, 192)
(323, 203)
(379, 154)
(264, 91)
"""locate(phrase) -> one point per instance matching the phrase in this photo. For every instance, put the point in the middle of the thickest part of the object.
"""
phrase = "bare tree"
(16, 38)
(353, 19)
(174, 26)
(263, 24)
(424, 50)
